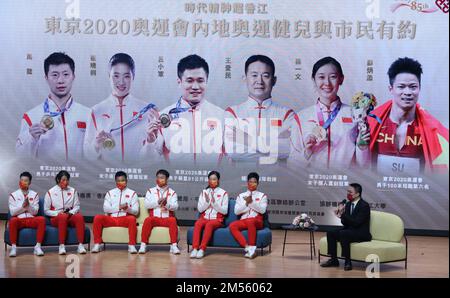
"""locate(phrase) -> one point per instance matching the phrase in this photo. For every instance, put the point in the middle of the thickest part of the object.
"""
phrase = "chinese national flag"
(81, 124)
(276, 122)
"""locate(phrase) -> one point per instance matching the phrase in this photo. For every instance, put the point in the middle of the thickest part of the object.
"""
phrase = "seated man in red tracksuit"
(23, 207)
(121, 206)
(161, 202)
(251, 205)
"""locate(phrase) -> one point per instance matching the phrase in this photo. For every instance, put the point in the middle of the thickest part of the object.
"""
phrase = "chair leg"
(188, 248)
(318, 257)
(314, 244)
(406, 257)
(270, 248)
(284, 242)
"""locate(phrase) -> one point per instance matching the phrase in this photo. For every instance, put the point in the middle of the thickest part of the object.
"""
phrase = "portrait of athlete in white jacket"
(196, 131)
(117, 126)
(55, 129)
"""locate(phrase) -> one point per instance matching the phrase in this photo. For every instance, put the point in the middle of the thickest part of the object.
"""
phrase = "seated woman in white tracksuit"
(62, 205)
(213, 207)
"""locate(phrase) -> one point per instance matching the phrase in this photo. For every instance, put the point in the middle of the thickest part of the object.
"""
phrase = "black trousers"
(345, 237)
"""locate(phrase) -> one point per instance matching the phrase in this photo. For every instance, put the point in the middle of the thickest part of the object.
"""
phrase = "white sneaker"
(132, 249)
(251, 252)
(174, 249)
(81, 250)
(38, 251)
(13, 251)
(200, 254)
(142, 249)
(62, 249)
(194, 253)
(96, 248)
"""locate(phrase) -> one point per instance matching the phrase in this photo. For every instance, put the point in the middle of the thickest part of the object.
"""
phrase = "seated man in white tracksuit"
(23, 207)
(196, 131)
(161, 202)
(108, 135)
(55, 129)
(121, 206)
(250, 207)
(258, 130)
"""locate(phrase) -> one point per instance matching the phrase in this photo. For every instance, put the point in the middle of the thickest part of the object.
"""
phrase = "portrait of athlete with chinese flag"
(407, 138)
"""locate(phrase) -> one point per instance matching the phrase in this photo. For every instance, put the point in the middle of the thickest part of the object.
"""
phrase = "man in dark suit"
(355, 218)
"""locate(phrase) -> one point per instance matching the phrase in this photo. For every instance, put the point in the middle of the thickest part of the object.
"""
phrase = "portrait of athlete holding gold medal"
(116, 128)
(190, 130)
(55, 129)
(327, 136)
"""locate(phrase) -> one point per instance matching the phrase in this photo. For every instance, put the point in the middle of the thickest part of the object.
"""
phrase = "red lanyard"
(319, 115)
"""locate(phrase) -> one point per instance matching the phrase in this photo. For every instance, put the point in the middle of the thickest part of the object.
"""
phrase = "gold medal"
(47, 122)
(165, 120)
(109, 143)
(320, 133)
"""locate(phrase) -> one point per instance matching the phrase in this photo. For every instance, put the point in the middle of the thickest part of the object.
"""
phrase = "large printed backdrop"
(365, 37)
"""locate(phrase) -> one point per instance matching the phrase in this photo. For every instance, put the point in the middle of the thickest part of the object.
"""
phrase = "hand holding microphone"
(341, 208)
